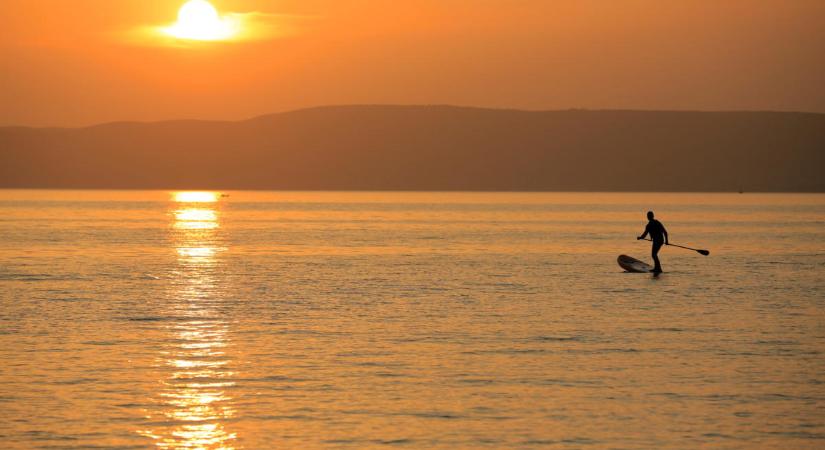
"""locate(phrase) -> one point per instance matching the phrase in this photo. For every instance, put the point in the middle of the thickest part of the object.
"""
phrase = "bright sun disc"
(198, 20)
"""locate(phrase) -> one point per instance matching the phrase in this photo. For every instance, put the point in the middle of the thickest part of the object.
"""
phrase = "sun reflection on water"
(196, 219)
(194, 401)
(192, 253)
(196, 197)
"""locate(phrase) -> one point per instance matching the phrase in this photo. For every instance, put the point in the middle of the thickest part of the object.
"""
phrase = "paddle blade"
(703, 252)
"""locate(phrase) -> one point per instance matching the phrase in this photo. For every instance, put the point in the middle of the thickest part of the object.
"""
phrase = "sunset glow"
(198, 20)
(430, 224)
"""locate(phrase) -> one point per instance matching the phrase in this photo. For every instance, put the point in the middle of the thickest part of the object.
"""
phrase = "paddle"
(701, 252)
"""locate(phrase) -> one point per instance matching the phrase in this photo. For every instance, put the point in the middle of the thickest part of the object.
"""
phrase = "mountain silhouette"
(431, 148)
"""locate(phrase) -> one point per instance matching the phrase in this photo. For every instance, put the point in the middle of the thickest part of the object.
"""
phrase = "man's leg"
(657, 266)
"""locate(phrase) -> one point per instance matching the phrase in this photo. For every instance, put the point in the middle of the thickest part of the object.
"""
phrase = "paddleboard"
(634, 265)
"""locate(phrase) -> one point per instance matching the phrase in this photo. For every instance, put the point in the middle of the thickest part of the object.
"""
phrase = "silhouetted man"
(658, 235)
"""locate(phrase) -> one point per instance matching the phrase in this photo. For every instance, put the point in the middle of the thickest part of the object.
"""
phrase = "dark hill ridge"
(431, 148)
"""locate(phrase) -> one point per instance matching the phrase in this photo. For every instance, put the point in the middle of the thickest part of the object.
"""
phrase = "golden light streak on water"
(193, 399)
(196, 218)
(192, 254)
(196, 197)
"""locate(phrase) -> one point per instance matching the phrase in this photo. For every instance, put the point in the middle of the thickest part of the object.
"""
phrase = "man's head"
(650, 215)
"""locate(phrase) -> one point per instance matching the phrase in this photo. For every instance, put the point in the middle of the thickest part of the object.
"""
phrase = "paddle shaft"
(703, 252)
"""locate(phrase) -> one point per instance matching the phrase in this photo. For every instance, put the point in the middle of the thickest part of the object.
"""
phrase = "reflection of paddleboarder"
(658, 235)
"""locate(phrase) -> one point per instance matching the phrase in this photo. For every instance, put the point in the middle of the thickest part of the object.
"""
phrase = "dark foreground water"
(427, 320)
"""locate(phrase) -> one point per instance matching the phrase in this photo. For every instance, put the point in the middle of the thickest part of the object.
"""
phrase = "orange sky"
(79, 62)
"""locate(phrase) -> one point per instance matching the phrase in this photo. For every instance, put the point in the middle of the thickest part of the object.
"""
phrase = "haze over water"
(139, 319)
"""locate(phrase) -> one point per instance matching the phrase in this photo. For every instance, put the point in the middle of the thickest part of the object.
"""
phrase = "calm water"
(419, 320)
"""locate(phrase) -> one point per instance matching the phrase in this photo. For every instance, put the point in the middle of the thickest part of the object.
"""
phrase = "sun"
(198, 20)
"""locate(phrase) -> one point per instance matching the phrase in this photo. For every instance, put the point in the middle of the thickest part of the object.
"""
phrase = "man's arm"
(664, 230)
(644, 235)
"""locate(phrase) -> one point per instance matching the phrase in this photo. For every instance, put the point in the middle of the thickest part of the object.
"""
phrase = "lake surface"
(412, 320)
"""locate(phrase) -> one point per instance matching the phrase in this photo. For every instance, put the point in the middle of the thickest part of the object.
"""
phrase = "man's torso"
(656, 230)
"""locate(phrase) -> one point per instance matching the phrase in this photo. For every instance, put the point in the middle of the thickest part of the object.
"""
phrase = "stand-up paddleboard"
(634, 265)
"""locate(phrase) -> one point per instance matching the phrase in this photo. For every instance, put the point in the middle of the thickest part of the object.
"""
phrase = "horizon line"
(389, 191)
(411, 105)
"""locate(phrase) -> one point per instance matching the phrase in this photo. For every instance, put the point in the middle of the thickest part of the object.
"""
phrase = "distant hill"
(431, 148)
